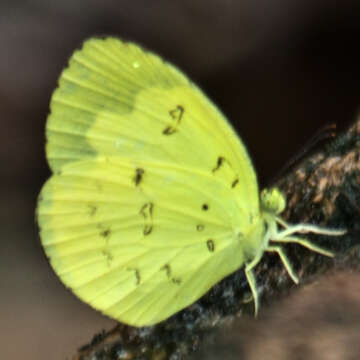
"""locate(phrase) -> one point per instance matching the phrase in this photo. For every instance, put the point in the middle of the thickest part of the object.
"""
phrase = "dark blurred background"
(279, 69)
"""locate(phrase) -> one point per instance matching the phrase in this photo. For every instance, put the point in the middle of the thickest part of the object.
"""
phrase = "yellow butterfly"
(153, 197)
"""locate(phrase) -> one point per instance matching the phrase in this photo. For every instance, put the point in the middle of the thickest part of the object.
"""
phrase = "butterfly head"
(272, 201)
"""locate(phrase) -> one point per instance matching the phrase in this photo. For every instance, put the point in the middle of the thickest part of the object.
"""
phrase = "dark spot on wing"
(136, 273)
(235, 182)
(139, 172)
(210, 245)
(93, 210)
(147, 212)
(169, 130)
(219, 163)
(137, 276)
(200, 227)
(167, 270)
(176, 115)
(176, 281)
(147, 230)
(205, 207)
(105, 233)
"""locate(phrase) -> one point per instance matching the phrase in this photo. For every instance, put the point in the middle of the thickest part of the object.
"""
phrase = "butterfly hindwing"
(121, 243)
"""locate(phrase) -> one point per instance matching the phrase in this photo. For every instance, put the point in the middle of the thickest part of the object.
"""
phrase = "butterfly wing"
(150, 188)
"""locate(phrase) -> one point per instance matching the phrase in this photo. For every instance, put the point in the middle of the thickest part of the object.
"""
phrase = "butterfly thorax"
(272, 203)
(252, 241)
(256, 239)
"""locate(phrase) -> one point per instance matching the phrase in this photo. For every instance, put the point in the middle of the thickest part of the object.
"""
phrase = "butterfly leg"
(250, 277)
(305, 243)
(285, 260)
(305, 228)
(284, 236)
(283, 223)
(252, 283)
